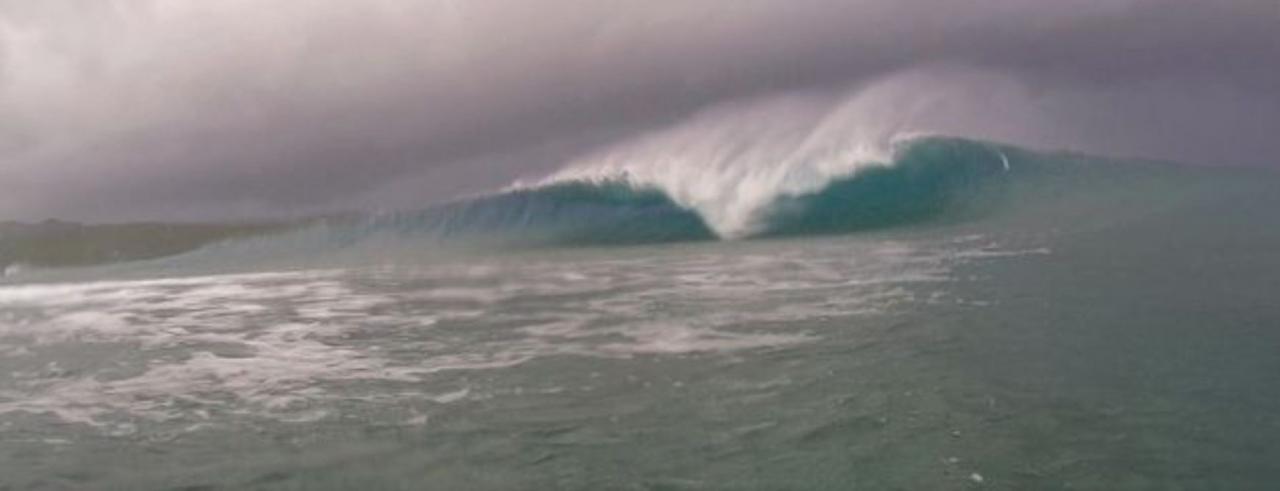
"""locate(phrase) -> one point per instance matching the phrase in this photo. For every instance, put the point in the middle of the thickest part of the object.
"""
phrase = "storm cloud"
(187, 109)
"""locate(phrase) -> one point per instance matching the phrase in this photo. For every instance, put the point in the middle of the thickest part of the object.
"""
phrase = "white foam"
(288, 346)
(730, 162)
(681, 339)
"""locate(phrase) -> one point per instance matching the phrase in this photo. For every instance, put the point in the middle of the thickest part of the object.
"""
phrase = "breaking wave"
(927, 180)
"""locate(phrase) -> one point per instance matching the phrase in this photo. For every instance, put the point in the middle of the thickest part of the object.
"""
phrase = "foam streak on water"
(291, 346)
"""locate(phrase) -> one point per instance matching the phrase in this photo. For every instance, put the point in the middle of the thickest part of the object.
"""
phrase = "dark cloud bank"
(171, 109)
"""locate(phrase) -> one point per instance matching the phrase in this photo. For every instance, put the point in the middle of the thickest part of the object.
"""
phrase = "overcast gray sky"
(205, 109)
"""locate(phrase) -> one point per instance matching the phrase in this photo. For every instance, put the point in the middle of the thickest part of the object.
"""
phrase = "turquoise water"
(1068, 323)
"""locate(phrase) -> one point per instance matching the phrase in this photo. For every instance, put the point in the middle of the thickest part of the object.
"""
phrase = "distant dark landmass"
(55, 243)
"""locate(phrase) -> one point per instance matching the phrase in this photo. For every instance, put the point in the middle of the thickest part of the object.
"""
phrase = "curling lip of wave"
(928, 178)
(730, 163)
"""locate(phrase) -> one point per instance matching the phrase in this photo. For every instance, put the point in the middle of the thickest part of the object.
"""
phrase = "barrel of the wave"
(929, 181)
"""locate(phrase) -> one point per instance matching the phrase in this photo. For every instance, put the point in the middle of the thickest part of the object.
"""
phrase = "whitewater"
(792, 294)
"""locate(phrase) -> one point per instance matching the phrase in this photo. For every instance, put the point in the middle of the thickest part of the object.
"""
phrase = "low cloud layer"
(186, 109)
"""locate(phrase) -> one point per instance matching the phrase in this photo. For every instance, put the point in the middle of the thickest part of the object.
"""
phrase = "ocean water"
(963, 315)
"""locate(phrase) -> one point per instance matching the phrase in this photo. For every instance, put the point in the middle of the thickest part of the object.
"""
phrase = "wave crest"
(927, 179)
(731, 163)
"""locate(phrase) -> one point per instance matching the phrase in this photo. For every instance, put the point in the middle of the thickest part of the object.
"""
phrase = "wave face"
(927, 180)
(563, 213)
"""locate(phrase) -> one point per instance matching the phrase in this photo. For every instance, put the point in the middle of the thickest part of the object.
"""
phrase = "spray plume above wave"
(730, 163)
(794, 164)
